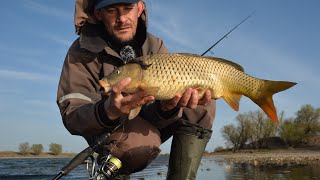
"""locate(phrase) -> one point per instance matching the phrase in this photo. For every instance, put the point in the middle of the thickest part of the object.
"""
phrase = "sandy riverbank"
(12, 154)
(271, 157)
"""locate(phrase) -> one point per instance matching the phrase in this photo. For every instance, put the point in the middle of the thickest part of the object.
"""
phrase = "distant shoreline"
(13, 154)
(271, 157)
(253, 157)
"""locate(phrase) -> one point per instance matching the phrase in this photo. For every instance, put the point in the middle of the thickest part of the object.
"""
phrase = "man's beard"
(115, 41)
(136, 41)
(121, 43)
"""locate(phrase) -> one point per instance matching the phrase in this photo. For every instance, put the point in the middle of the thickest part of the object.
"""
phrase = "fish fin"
(189, 54)
(153, 91)
(233, 64)
(201, 91)
(268, 107)
(134, 112)
(266, 103)
(233, 100)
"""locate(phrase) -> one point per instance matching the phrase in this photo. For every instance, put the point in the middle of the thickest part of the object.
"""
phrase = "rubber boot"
(185, 156)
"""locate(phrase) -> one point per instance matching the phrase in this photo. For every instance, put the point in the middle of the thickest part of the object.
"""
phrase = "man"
(106, 28)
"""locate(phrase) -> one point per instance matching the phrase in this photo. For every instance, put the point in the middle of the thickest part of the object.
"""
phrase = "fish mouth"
(105, 85)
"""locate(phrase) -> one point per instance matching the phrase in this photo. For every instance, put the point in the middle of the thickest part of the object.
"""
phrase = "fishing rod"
(111, 164)
(82, 156)
(228, 33)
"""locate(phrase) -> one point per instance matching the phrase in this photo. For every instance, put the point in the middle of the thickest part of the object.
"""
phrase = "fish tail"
(266, 102)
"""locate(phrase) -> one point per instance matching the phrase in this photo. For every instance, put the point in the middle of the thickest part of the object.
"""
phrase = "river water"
(210, 168)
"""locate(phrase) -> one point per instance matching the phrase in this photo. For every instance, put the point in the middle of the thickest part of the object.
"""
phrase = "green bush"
(24, 148)
(55, 149)
(37, 149)
(309, 118)
(292, 133)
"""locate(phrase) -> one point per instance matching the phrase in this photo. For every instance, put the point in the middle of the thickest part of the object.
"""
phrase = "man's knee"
(136, 144)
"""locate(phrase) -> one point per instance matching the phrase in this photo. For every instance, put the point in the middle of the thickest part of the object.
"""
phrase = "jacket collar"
(91, 40)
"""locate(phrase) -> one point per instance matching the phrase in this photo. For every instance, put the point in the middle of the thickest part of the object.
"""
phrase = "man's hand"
(119, 105)
(188, 99)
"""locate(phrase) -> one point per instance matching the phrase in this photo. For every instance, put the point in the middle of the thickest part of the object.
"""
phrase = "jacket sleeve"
(80, 104)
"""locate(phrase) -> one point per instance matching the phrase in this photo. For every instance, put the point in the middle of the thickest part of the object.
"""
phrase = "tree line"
(254, 128)
(36, 149)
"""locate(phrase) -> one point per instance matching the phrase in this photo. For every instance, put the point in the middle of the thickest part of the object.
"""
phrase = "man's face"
(121, 20)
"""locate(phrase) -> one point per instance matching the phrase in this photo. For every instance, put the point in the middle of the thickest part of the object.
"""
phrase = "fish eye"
(116, 71)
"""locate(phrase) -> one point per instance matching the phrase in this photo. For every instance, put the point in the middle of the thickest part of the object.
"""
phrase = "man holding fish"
(107, 29)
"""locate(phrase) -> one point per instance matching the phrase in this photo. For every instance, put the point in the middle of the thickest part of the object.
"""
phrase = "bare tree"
(256, 128)
(252, 127)
(237, 136)
(55, 149)
(231, 135)
(24, 148)
(261, 128)
(37, 149)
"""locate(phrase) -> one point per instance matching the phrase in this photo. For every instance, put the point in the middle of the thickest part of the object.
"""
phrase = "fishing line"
(228, 33)
(117, 141)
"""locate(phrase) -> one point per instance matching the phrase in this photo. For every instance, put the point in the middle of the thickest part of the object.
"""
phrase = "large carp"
(165, 75)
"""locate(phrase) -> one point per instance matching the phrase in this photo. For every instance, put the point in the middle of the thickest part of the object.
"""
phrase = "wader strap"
(194, 130)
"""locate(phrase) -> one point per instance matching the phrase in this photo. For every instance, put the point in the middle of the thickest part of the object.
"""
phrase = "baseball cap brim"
(103, 3)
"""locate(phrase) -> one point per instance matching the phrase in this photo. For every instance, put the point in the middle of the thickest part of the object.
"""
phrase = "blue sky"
(280, 42)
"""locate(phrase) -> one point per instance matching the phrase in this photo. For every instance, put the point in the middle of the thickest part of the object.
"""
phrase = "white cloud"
(26, 57)
(23, 51)
(12, 74)
(57, 39)
(169, 23)
(173, 35)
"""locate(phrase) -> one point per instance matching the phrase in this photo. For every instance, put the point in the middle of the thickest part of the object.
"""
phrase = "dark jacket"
(88, 60)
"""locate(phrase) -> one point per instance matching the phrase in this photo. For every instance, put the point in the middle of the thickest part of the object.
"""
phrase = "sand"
(266, 157)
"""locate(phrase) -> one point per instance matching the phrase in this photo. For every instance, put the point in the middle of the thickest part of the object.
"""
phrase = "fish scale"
(177, 76)
(166, 75)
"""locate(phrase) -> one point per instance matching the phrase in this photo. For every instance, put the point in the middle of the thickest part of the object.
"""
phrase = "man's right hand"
(118, 104)
(189, 99)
